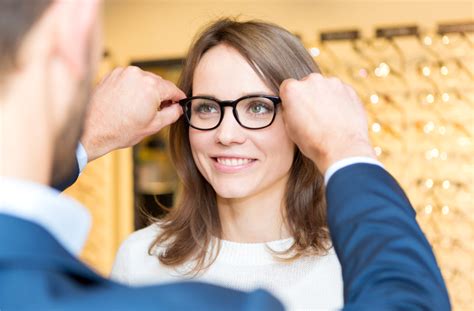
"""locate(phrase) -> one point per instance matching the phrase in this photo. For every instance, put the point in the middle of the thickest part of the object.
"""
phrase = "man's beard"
(64, 158)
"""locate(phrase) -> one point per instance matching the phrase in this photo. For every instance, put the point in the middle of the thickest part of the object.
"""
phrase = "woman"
(251, 212)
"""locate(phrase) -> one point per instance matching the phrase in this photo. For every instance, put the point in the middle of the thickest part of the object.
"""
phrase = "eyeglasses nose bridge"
(231, 104)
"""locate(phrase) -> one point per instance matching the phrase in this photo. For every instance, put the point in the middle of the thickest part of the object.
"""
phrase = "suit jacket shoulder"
(37, 273)
(387, 261)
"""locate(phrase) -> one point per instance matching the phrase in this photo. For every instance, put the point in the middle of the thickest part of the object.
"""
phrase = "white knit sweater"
(310, 283)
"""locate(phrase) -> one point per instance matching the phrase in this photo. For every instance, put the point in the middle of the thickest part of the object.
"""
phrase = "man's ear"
(75, 22)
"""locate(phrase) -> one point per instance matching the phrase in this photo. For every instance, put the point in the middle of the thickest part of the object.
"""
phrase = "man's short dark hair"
(16, 19)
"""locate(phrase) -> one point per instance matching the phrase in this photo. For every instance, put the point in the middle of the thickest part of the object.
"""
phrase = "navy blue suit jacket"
(386, 261)
(37, 273)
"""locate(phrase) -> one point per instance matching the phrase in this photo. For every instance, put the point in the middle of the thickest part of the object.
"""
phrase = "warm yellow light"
(444, 70)
(445, 210)
(426, 71)
(445, 40)
(445, 97)
(430, 98)
(382, 70)
(374, 99)
(376, 127)
(446, 184)
(429, 127)
(427, 40)
(429, 183)
(432, 153)
(314, 51)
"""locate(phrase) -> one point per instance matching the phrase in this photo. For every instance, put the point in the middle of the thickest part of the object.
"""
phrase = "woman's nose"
(229, 131)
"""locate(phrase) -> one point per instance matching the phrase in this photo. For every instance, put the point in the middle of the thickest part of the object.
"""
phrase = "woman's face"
(238, 162)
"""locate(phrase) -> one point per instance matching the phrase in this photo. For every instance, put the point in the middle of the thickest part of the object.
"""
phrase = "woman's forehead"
(223, 70)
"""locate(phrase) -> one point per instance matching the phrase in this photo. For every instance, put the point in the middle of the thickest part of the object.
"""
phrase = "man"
(49, 52)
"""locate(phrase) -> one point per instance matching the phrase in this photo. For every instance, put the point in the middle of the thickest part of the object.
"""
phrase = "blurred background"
(411, 62)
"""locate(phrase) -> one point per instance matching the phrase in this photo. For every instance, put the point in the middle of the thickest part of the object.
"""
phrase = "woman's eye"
(260, 108)
(206, 108)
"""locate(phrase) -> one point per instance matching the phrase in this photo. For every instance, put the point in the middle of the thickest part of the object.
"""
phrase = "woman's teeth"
(233, 161)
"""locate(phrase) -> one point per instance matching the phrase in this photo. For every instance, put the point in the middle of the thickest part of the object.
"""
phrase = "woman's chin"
(232, 193)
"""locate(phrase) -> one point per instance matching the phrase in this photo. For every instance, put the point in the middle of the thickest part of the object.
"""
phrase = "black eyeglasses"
(251, 112)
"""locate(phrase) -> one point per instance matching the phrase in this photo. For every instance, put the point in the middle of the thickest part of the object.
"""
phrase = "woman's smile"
(232, 164)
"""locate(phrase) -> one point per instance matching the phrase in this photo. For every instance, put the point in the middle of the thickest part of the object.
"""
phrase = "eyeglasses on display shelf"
(417, 83)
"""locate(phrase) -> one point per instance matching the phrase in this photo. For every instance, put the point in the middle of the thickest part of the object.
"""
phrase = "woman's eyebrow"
(258, 94)
(241, 95)
(204, 95)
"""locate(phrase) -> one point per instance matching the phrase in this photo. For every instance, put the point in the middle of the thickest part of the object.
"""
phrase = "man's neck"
(26, 145)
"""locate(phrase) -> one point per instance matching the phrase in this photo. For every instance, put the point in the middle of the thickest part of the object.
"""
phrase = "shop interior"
(411, 63)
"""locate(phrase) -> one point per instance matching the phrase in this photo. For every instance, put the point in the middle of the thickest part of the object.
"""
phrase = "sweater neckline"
(237, 253)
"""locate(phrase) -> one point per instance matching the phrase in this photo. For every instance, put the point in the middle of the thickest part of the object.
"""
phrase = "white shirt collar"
(346, 162)
(64, 218)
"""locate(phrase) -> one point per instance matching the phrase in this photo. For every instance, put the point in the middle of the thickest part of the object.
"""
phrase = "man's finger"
(166, 116)
(168, 91)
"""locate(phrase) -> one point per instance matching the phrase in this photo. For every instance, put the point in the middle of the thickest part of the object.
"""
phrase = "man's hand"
(326, 119)
(125, 108)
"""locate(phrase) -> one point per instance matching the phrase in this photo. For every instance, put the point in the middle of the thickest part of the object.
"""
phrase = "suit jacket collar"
(28, 245)
(64, 218)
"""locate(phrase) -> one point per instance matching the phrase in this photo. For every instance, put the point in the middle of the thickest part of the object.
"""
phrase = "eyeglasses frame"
(228, 103)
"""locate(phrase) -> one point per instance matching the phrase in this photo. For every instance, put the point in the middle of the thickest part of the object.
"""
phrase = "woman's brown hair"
(189, 230)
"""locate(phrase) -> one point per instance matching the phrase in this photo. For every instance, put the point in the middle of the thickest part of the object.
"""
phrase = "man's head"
(49, 50)
(16, 20)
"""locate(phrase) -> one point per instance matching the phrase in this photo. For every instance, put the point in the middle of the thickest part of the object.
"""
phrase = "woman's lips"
(232, 164)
